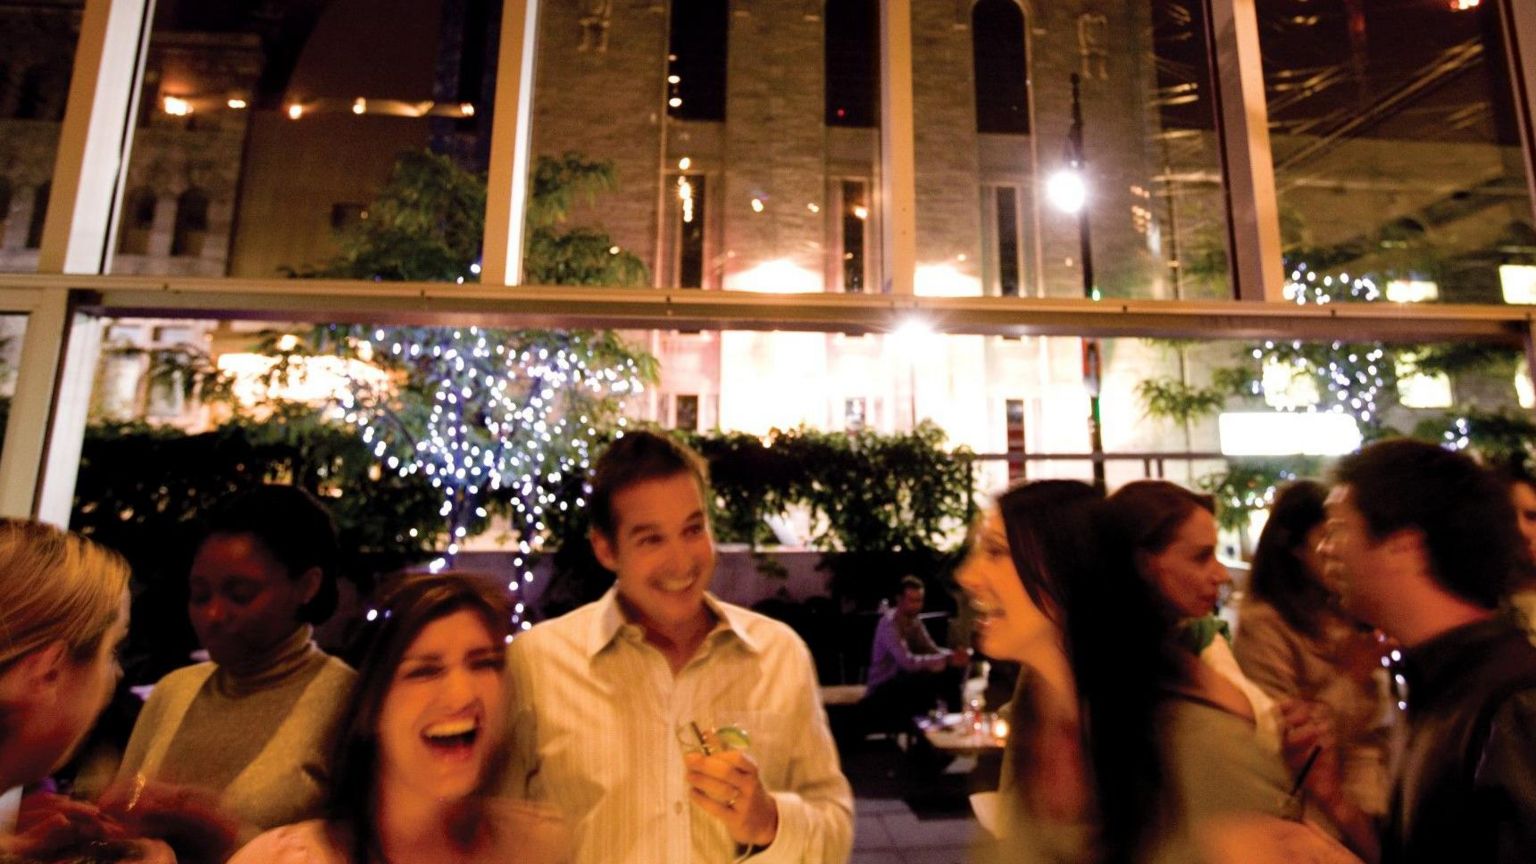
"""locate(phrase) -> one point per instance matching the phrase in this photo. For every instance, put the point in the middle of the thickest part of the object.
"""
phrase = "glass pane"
(726, 146)
(1396, 146)
(183, 413)
(1001, 209)
(12, 329)
(345, 139)
(37, 52)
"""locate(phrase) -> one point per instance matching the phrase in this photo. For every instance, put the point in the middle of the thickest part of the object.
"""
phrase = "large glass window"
(12, 329)
(696, 59)
(1396, 144)
(37, 49)
(1148, 219)
(258, 120)
(709, 145)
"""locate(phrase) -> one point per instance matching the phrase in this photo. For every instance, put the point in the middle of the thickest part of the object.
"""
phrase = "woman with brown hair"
(420, 742)
(1295, 641)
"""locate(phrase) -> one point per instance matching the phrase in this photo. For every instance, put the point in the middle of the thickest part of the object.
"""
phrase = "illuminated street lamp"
(1068, 190)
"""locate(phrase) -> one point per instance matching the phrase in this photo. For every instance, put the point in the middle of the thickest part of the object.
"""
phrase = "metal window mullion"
(94, 136)
(59, 350)
(41, 455)
(1253, 213)
(898, 179)
(511, 143)
(1520, 37)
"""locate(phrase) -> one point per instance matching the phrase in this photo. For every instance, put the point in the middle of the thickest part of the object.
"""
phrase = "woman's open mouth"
(452, 737)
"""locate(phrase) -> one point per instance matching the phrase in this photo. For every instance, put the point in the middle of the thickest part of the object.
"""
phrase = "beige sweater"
(261, 742)
(1287, 663)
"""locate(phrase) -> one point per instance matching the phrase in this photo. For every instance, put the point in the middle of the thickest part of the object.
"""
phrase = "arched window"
(40, 95)
(39, 214)
(29, 94)
(853, 62)
(696, 49)
(1002, 78)
(191, 224)
(138, 222)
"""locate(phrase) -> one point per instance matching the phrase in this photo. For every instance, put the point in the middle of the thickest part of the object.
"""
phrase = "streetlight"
(1068, 190)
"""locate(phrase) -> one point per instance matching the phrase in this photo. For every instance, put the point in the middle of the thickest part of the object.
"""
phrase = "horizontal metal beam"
(413, 303)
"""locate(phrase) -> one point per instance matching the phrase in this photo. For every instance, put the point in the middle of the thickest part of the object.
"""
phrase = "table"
(951, 734)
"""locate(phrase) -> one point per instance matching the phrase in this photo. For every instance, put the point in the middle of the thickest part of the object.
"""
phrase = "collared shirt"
(902, 645)
(1466, 786)
(596, 714)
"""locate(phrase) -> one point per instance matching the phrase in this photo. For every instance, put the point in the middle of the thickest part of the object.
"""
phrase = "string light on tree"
(511, 419)
(1352, 378)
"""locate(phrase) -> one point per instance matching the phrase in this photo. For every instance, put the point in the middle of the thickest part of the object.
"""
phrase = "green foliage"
(880, 505)
(1501, 437)
(1249, 484)
(1458, 358)
(492, 417)
(425, 225)
(139, 479)
(140, 490)
(865, 491)
(1181, 402)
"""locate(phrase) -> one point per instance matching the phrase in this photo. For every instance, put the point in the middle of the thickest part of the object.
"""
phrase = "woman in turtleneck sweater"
(250, 730)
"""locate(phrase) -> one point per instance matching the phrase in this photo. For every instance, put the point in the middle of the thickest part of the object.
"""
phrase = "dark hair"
(910, 583)
(402, 613)
(1115, 643)
(1514, 471)
(294, 528)
(1049, 524)
(1148, 513)
(1118, 627)
(635, 458)
(1460, 509)
(1279, 575)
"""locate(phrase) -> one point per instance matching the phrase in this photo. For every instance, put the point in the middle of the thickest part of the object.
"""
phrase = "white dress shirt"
(596, 711)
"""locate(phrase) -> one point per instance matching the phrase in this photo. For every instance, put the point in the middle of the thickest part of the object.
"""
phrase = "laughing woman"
(420, 740)
(1028, 547)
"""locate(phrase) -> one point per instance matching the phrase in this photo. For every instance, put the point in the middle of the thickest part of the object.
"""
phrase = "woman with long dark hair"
(1138, 654)
(1295, 641)
(1089, 774)
(1026, 548)
(420, 743)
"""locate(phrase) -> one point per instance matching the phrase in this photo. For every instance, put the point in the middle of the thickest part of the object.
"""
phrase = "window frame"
(66, 312)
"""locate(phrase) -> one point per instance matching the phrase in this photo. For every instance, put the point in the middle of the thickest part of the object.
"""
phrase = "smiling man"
(666, 725)
(1423, 542)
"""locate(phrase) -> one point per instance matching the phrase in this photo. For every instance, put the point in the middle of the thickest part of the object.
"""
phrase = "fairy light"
(505, 417)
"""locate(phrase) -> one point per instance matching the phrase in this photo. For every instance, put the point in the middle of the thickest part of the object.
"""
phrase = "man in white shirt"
(610, 701)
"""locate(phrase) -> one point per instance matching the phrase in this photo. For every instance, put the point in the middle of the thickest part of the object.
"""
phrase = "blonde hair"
(58, 586)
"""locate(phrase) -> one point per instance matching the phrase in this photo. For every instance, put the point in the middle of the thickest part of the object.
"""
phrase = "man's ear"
(603, 549)
(309, 582)
(1406, 542)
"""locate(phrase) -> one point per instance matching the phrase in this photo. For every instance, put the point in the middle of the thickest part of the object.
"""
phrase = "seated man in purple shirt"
(908, 672)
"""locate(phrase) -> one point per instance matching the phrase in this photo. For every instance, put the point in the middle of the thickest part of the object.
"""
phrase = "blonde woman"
(64, 616)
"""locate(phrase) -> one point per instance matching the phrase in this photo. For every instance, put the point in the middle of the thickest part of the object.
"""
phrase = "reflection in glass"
(1396, 143)
(855, 222)
(258, 120)
(12, 329)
